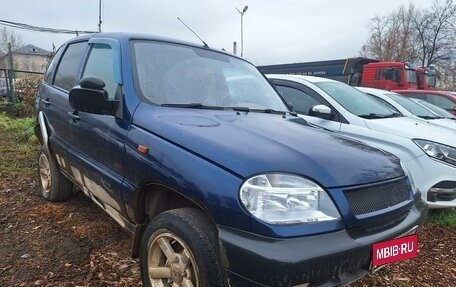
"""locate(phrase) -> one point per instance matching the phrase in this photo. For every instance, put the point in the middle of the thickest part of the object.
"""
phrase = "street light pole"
(242, 27)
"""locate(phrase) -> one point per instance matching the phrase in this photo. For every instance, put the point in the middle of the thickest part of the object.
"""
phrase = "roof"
(293, 77)
(31, 50)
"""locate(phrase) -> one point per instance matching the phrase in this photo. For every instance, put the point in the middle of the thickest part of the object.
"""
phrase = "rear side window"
(68, 69)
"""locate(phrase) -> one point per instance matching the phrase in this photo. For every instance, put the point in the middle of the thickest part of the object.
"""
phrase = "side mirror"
(321, 111)
(90, 97)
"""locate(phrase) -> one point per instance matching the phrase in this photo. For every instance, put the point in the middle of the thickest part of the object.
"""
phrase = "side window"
(441, 101)
(50, 71)
(378, 72)
(68, 69)
(100, 64)
(301, 101)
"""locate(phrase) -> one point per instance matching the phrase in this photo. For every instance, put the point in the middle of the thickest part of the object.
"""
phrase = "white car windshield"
(173, 74)
(413, 107)
(354, 101)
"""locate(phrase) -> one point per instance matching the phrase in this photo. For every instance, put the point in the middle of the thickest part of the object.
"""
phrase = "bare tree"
(391, 36)
(8, 36)
(435, 32)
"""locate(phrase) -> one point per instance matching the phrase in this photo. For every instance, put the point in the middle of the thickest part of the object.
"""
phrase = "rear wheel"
(53, 184)
(179, 248)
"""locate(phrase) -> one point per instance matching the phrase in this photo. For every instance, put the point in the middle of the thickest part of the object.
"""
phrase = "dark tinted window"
(67, 71)
(299, 100)
(49, 75)
(100, 64)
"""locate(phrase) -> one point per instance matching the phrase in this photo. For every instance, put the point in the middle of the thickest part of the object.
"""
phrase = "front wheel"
(179, 248)
(53, 184)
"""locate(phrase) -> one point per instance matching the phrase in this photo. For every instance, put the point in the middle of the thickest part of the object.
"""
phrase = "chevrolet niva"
(193, 152)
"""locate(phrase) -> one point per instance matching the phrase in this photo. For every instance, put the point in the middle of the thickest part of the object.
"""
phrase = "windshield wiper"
(193, 106)
(375, 116)
(272, 111)
(239, 109)
(431, 117)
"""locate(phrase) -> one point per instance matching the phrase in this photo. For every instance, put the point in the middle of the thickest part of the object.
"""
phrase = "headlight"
(438, 151)
(286, 199)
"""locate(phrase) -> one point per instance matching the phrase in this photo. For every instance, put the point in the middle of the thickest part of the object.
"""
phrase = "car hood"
(414, 129)
(251, 143)
(448, 123)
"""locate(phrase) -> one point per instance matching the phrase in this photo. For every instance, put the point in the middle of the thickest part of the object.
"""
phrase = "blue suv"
(193, 152)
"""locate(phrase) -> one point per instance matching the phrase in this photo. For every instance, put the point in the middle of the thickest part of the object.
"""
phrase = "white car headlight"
(438, 151)
(278, 198)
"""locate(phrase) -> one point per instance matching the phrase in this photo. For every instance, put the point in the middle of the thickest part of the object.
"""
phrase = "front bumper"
(335, 258)
(436, 181)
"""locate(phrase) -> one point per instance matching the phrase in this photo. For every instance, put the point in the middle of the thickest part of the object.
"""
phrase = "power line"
(42, 29)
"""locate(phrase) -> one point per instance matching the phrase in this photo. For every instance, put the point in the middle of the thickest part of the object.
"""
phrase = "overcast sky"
(275, 31)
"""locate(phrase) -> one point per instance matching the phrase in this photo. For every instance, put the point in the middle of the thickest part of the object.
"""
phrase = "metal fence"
(8, 79)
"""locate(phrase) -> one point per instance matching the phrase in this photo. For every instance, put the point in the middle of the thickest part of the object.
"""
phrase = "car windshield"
(412, 107)
(354, 101)
(410, 76)
(173, 74)
(441, 112)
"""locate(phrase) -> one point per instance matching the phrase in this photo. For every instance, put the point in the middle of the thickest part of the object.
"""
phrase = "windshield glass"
(354, 101)
(411, 106)
(430, 80)
(410, 76)
(169, 74)
(441, 112)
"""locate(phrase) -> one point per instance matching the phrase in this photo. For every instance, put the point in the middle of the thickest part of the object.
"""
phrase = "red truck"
(359, 71)
(426, 78)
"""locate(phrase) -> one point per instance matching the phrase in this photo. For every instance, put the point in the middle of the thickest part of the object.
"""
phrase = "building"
(27, 58)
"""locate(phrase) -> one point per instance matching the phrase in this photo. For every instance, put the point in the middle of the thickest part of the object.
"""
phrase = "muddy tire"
(179, 248)
(54, 186)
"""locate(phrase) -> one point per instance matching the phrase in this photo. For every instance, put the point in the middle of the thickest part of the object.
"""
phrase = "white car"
(427, 151)
(408, 107)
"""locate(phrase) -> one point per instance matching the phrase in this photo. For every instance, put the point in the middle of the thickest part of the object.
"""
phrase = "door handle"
(46, 102)
(74, 116)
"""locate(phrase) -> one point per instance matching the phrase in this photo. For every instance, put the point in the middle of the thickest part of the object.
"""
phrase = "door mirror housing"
(321, 111)
(90, 97)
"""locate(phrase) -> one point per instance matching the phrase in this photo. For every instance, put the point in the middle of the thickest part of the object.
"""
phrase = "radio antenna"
(204, 43)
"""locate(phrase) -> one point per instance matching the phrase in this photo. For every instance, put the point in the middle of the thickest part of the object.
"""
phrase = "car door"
(97, 141)
(301, 99)
(60, 77)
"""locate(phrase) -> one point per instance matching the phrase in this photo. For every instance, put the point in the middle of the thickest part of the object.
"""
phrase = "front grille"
(374, 198)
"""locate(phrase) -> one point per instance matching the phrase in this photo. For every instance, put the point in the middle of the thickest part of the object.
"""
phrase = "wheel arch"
(155, 199)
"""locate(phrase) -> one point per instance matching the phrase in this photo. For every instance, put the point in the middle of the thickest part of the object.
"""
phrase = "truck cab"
(425, 78)
(389, 76)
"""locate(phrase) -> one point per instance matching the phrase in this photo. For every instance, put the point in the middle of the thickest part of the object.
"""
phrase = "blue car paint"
(206, 155)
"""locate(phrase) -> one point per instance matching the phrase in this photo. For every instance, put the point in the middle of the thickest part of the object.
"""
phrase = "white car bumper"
(435, 180)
